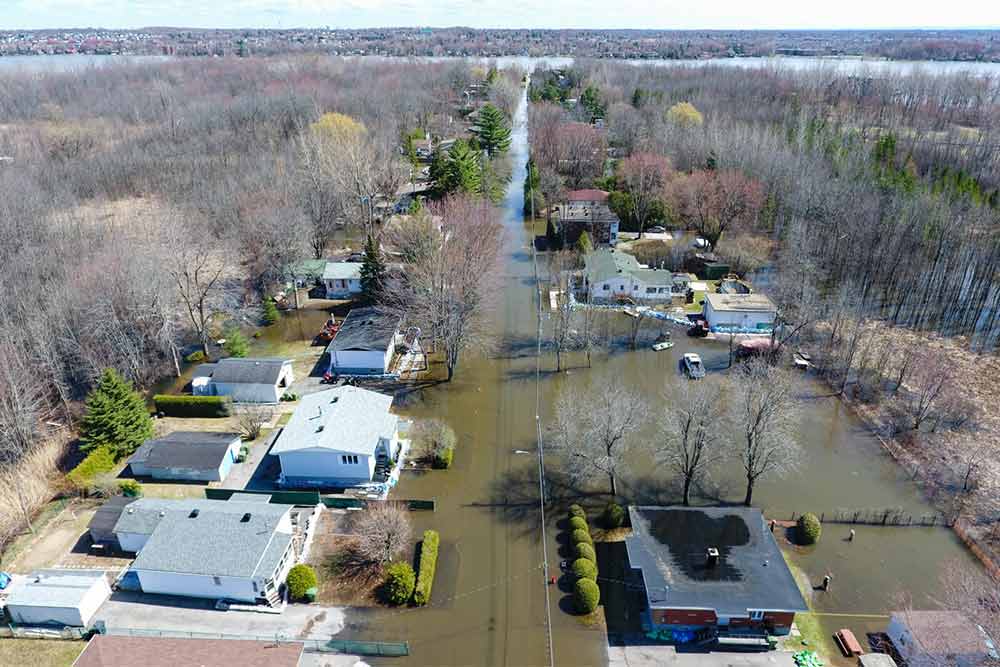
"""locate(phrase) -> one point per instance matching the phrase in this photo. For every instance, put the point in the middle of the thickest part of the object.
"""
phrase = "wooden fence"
(882, 517)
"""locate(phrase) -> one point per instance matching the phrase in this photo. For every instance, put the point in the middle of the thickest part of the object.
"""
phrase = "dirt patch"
(344, 578)
(64, 542)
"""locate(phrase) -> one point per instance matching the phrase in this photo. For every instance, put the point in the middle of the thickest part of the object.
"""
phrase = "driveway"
(241, 473)
(654, 655)
(138, 611)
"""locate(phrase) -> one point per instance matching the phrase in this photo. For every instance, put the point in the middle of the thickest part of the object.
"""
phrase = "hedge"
(614, 515)
(98, 461)
(809, 528)
(196, 357)
(399, 583)
(581, 536)
(443, 458)
(578, 523)
(193, 406)
(428, 564)
(586, 595)
(584, 550)
(584, 568)
(576, 510)
(300, 579)
(130, 488)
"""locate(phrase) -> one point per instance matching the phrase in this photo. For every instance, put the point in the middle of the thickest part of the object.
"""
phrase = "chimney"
(712, 557)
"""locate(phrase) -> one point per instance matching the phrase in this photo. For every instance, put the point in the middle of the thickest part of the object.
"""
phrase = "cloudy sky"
(681, 14)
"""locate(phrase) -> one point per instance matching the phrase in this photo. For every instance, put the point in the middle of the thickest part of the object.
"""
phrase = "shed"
(57, 597)
(740, 313)
(364, 344)
(187, 455)
(246, 380)
(102, 525)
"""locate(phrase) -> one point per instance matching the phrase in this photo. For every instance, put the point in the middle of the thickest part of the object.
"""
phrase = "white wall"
(369, 361)
(79, 616)
(248, 393)
(743, 319)
(626, 284)
(325, 465)
(198, 585)
(336, 287)
(132, 542)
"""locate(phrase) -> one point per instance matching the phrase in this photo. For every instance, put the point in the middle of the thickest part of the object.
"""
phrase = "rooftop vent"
(335, 399)
(712, 557)
(319, 429)
(162, 514)
(246, 518)
(193, 514)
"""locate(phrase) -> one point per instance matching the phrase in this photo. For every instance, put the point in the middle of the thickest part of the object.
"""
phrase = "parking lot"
(654, 655)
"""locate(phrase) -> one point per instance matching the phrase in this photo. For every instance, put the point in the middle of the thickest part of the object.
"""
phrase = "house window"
(349, 459)
(606, 287)
(216, 581)
(756, 616)
(650, 290)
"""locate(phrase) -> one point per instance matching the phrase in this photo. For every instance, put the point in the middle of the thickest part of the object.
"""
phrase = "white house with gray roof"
(342, 279)
(204, 548)
(338, 438)
(613, 275)
(246, 380)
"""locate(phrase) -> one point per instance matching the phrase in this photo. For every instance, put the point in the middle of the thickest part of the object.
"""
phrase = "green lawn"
(40, 652)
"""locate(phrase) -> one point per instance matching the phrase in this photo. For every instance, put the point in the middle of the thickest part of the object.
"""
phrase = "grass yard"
(40, 652)
(175, 490)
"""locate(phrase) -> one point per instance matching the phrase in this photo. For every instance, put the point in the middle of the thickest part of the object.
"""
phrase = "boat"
(802, 360)
(329, 330)
(663, 342)
(693, 367)
(848, 643)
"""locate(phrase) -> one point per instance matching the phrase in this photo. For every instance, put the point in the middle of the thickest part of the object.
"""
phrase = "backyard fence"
(347, 646)
(314, 498)
(882, 517)
(338, 502)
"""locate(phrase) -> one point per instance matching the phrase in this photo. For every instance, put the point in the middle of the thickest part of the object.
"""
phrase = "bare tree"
(318, 193)
(251, 419)
(564, 335)
(690, 439)
(930, 380)
(595, 428)
(763, 409)
(384, 532)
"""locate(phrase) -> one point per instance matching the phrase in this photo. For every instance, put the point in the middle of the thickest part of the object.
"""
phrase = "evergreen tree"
(464, 170)
(592, 102)
(584, 245)
(236, 344)
(372, 270)
(116, 417)
(440, 174)
(493, 132)
(553, 239)
(270, 314)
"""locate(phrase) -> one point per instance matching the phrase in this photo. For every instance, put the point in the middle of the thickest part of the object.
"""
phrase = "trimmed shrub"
(586, 595)
(300, 579)
(578, 523)
(808, 528)
(581, 536)
(444, 458)
(130, 488)
(400, 581)
(584, 550)
(614, 515)
(576, 510)
(96, 463)
(584, 568)
(428, 565)
(193, 406)
(196, 357)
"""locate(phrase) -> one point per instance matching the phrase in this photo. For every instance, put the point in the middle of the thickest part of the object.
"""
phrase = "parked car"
(657, 229)
(693, 367)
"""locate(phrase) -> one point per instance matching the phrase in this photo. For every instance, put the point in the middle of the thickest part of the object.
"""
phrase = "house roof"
(307, 268)
(190, 450)
(119, 650)
(604, 264)
(364, 329)
(217, 541)
(946, 633)
(670, 544)
(144, 515)
(249, 370)
(345, 419)
(586, 195)
(342, 271)
(106, 516)
(52, 588)
(754, 303)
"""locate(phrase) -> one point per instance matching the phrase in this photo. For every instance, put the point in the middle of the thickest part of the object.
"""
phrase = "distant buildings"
(587, 210)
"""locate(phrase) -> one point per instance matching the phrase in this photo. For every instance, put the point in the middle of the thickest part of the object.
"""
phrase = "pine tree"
(440, 172)
(236, 344)
(372, 270)
(116, 417)
(493, 132)
(464, 171)
(270, 315)
(584, 245)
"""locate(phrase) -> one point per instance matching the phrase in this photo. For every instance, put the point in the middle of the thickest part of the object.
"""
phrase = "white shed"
(247, 380)
(745, 313)
(364, 344)
(57, 597)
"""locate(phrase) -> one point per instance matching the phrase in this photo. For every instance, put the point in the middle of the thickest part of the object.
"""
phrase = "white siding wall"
(132, 542)
(78, 616)
(626, 284)
(368, 361)
(322, 465)
(337, 288)
(743, 319)
(197, 586)
(248, 393)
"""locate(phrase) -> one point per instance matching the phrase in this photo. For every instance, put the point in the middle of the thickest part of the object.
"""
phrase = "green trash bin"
(311, 594)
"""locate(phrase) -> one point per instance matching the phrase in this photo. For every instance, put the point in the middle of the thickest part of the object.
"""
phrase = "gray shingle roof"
(604, 264)
(344, 419)
(143, 516)
(190, 450)
(364, 329)
(216, 543)
(102, 524)
(52, 588)
(342, 271)
(669, 545)
(249, 370)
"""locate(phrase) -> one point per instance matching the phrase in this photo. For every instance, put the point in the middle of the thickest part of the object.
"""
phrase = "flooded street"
(488, 605)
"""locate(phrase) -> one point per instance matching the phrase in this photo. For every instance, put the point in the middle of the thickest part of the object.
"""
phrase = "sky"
(665, 14)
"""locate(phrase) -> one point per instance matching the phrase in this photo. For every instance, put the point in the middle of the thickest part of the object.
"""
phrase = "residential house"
(365, 344)
(587, 210)
(217, 549)
(187, 455)
(57, 597)
(338, 438)
(613, 275)
(342, 279)
(740, 313)
(121, 650)
(934, 638)
(711, 571)
(246, 380)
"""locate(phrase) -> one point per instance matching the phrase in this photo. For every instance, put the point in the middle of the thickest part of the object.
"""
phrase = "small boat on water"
(802, 360)
(663, 342)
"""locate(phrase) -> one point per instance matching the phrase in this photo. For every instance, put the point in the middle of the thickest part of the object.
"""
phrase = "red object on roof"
(586, 195)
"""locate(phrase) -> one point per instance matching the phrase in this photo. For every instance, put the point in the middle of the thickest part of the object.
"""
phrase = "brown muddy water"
(488, 603)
